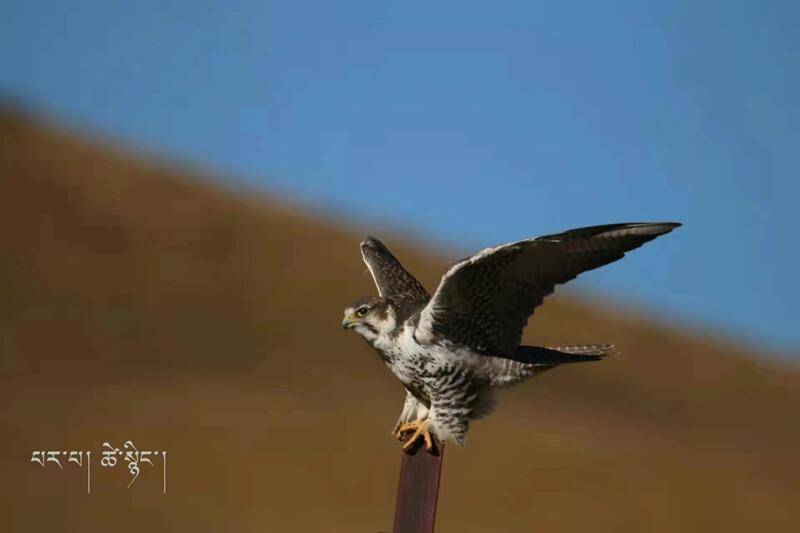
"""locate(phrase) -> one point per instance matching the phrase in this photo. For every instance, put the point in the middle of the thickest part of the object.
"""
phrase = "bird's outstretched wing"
(484, 302)
(390, 277)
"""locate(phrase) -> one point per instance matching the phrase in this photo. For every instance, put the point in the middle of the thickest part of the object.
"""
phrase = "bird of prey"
(452, 350)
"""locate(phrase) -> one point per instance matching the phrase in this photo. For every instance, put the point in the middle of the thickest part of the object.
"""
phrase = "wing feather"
(390, 277)
(484, 302)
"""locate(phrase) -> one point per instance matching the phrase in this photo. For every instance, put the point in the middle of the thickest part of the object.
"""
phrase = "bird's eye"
(362, 311)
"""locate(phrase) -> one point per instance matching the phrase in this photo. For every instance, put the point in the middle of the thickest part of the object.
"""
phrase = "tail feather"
(557, 355)
(531, 360)
(599, 350)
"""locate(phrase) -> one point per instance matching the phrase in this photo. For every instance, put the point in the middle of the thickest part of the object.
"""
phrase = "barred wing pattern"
(390, 277)
(484, 302)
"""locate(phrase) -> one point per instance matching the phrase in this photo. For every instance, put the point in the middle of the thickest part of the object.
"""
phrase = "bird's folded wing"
(484, 302)
(389, 275)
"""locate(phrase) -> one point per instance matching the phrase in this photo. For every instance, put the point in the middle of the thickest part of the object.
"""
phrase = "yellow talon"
(398, 431)
(420, 429)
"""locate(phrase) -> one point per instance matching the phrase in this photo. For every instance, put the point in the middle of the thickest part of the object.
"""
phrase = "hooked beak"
(348, 322)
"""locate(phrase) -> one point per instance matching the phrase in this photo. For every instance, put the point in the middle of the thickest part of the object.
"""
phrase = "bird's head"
(369, 317)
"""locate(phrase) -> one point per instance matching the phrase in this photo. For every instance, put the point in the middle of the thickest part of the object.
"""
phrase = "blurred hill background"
(139, 301)
(468, 122)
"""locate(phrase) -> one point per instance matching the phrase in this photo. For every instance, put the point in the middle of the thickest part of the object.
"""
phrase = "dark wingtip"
(651, 228)
(643, 229)
(664, 227)
(372, 242)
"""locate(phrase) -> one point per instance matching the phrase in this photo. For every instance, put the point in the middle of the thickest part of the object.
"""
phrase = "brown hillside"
(139, 303)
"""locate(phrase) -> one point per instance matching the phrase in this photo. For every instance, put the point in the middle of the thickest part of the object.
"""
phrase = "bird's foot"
(399, 431)
(419, 429)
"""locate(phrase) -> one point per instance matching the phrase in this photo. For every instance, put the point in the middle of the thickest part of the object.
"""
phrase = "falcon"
(452, 350)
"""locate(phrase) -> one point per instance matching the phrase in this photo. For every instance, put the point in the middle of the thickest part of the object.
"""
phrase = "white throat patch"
(382, 339)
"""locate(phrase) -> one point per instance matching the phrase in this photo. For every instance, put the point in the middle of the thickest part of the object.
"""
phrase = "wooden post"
(418, 490)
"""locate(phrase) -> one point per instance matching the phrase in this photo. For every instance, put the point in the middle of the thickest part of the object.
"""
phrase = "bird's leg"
(420, 429)
(401, 430)
(412, 410)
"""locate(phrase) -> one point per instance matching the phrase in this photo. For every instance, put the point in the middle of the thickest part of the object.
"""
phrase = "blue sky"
(473, 123)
